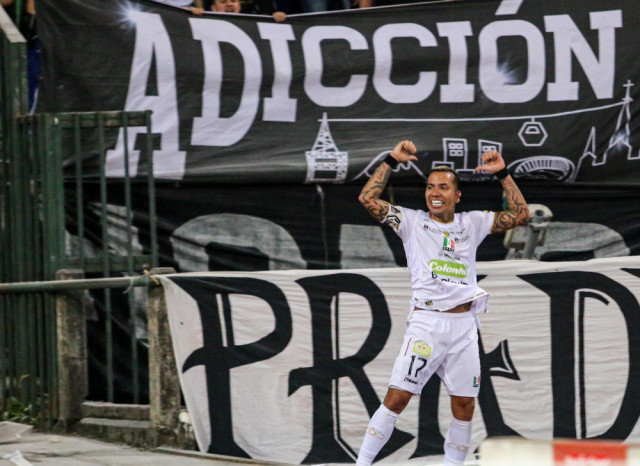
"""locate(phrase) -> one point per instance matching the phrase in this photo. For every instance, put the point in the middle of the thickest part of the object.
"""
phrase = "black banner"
(241, 99)
(264, 226)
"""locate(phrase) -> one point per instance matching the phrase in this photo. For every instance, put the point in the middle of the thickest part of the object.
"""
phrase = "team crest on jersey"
(448, 244)
(422, 348)
(393, 217)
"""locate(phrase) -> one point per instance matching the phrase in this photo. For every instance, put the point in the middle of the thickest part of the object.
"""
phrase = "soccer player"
(442, 328)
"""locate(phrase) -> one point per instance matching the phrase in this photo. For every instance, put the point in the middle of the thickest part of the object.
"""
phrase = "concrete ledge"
(101, 409)
(130, 432)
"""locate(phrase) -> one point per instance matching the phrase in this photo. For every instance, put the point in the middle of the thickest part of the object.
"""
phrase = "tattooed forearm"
(517, 212)
(370, 194)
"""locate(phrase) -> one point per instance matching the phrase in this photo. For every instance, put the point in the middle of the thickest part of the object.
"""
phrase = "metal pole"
(153, 219)
(82, 284)
(133, 341)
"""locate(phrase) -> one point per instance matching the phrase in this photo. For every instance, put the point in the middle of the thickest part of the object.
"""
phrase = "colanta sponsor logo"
(450, 269)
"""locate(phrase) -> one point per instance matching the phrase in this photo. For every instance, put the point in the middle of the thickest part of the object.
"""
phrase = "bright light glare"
(508, 76)
(130, 14)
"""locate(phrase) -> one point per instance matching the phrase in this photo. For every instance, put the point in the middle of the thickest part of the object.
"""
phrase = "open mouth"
(437, 203)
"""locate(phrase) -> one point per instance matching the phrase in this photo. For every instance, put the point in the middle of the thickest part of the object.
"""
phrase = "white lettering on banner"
(279, 107)
(396, 93)
(153, 45)
(152, 42)
(189, 241)
(567, 39)
(509, 7)
(495, 81)
(458, 90)
(331, 96)
(211, 129)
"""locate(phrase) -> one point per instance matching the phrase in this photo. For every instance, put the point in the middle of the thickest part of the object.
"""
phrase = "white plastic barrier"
(509, 451)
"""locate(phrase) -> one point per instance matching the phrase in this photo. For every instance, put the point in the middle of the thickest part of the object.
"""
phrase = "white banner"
(288, 366)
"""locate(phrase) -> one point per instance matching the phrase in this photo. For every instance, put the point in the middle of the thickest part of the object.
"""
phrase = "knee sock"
(456, 443)
(378, 432)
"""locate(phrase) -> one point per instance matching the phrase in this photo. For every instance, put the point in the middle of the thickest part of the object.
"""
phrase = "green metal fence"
(43, 186)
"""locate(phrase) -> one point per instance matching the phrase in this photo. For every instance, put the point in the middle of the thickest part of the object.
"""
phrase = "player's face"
(441, 195)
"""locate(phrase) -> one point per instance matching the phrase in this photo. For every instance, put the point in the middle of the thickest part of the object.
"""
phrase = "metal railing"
(61, 400)
(58, 209)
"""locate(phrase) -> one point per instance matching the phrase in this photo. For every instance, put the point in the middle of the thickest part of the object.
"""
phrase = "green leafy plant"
(17, 411)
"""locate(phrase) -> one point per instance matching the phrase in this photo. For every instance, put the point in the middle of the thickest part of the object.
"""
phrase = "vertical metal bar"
(105, 259)
(53, 196)
(54, 157)
(129, 227)
(4, 372)
(153, 219)
(79, 189)
(48, 247)
(32, 224)
(5, 238)
(20, 233)
(51, 350)
(34, 156)
(5, 265)
(34, 153)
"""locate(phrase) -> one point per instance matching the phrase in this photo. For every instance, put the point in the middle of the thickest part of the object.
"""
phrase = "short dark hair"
(446, 169)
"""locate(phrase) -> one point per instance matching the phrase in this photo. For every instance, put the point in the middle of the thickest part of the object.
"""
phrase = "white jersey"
(442, 256)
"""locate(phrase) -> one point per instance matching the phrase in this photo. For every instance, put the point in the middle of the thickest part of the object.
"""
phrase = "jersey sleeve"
(483, 222)
(400, 219)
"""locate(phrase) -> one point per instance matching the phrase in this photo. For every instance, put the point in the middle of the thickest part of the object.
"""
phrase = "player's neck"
(443, 218)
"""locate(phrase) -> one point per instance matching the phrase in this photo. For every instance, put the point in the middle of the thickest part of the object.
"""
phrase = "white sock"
(378, 432)
(456, 443)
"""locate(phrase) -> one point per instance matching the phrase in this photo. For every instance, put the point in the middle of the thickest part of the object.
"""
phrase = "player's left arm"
(517, 212)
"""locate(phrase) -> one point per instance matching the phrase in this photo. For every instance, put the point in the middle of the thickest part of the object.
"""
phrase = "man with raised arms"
(442, 327)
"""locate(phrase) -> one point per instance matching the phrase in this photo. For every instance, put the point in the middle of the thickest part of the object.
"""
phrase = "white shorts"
(442, 343)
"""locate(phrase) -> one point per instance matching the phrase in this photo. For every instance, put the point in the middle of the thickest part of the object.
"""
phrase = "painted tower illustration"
(325, 162)
(619, 142)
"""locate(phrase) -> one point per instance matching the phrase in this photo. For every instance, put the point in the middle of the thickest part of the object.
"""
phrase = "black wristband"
(389, 160)
(502, 174)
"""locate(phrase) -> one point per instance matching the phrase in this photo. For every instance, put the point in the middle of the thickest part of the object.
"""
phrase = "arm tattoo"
(370, 194)
(517, 212)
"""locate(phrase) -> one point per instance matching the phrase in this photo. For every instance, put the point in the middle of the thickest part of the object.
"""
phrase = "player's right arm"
(370, 194)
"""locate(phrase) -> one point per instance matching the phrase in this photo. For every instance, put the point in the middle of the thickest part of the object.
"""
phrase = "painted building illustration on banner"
(456, 156)
(325, 162)
(563, 169)
(532, 133)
